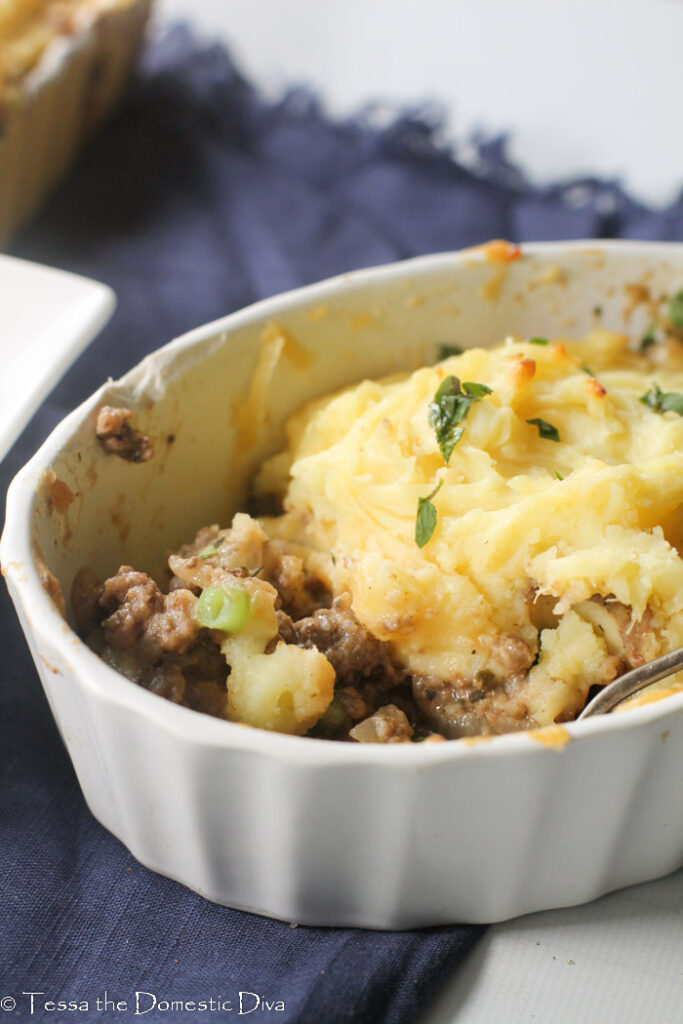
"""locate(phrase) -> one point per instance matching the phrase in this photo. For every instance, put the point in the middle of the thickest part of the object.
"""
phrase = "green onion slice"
(208, 552)
(228, 610)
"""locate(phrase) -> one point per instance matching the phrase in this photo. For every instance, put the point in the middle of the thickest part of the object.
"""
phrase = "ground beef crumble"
(117, 437)
(355, 654)
(140, 615)
(456, 709)
(152, 638)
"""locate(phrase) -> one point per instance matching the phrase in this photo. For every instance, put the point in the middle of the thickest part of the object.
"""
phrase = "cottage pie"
(465, 550)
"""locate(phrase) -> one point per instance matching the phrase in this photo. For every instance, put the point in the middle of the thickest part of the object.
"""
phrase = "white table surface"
(591, 86)
(618, 960)
(586, 86)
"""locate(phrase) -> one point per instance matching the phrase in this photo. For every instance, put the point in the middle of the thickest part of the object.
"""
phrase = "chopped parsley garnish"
(446, 351)
(587, 369)
(663, 401)
(676, 310)
(425, 524)
(648, 339)
(557, 473)
(476, 391)
(449, 408)
(538, 341)
(546, 430)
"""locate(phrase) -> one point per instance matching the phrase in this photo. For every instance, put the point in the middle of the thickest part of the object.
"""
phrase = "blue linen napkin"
(198, 199)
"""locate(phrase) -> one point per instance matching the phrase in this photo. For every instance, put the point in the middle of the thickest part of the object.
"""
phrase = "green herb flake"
(663, 401)
(425, 523)
(449, 408)
(648, 339)
(676, 310)
(208, 552)
(538, 341)
(546, 430)
(586, 369)
(557, 473)
(446, 351)
(476, 391)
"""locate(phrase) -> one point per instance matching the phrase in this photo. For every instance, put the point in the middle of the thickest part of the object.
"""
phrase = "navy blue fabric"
(198, 199)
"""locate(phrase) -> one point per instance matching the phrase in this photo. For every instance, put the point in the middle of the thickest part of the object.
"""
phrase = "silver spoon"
(631, 682)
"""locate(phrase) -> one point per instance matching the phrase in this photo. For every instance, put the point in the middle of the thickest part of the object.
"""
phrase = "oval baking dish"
(308, 830)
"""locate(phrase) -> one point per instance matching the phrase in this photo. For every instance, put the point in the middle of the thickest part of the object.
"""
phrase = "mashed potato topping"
(555, 561)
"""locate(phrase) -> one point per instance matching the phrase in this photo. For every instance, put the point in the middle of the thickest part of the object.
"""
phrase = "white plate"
(47, 317)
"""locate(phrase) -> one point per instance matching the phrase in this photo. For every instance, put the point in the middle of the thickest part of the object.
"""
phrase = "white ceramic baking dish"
(75, 85)
(309, 830)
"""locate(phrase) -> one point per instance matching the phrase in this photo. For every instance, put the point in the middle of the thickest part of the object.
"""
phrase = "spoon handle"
(631, 682)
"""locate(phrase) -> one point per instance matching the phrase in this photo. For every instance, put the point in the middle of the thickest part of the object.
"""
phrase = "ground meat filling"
(155, 638)
(366, 676)
(355, 654)
(152, 638)
(117, 437)
(456, 709)
(639, 638)
(141, 616)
